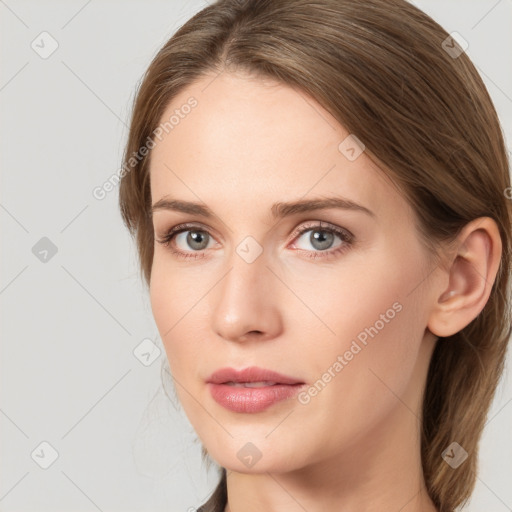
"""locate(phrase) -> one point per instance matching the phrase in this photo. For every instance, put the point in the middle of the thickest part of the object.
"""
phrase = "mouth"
(250, 384)
(252, 389)
(253, 376)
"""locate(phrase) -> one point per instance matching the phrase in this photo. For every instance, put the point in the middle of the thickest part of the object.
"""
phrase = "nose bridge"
(248, 268)
(243, 301)
(245, 282)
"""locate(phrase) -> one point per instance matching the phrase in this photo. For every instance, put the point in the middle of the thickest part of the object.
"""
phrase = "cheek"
(370, 289)
(170, 299)
(178, 296)
(377, 321)
(370, 327)
(174, 303)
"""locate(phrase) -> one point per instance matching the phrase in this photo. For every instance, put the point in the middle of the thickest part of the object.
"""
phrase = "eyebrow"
(278, 210)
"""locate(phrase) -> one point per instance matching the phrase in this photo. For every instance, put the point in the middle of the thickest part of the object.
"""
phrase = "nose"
(246, 302)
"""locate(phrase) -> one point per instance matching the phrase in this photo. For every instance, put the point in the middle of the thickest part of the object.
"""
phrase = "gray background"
(71, 323)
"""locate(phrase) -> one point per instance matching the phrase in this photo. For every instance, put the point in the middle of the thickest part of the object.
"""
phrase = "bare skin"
(354, 445)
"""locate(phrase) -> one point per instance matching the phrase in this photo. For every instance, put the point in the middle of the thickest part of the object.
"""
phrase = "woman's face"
(342, 308)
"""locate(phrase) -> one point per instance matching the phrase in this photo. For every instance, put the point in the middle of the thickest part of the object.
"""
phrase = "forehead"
(250, 140)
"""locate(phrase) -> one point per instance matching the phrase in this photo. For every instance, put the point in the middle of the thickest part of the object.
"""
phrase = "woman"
(318, 192)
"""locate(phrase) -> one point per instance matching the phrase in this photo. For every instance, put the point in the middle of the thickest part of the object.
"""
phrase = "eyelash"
(345, 235)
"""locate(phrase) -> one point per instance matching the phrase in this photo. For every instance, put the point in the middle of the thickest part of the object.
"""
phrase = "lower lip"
(250, 400)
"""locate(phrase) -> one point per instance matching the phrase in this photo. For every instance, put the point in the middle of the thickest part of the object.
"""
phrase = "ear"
(470, 275)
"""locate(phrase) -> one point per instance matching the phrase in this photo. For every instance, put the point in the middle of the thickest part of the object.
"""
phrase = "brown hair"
(382, 68)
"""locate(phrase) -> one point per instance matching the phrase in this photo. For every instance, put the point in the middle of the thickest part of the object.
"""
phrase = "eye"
(188, 235)
(321, 239)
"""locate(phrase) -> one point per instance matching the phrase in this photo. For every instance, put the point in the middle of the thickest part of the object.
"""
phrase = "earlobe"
(471, 275)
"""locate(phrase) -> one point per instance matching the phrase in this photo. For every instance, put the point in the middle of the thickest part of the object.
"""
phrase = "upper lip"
(251, 374)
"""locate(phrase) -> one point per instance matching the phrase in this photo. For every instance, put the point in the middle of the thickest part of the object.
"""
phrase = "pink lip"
(251, 400)
(251, 374)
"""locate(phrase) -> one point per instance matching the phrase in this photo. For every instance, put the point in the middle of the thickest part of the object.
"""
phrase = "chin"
(257, 456)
